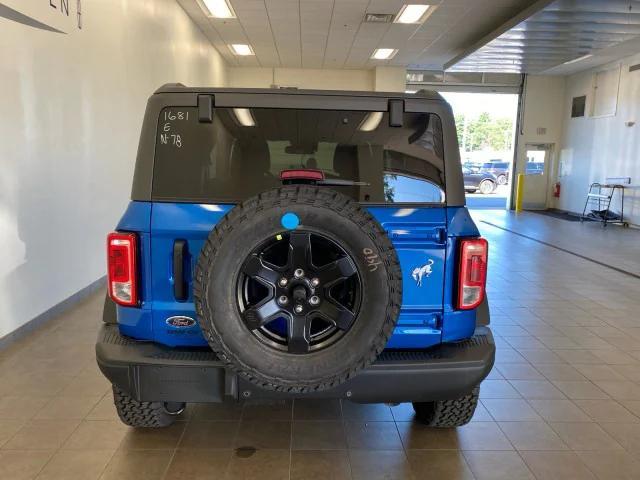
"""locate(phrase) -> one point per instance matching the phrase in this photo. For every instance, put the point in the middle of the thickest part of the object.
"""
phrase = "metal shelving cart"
(599, 199)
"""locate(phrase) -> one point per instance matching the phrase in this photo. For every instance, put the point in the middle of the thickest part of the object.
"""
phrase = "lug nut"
(298, 309)
(283, 282)
(298, 273)
(314, 300)
(283, 300)
(315, 282)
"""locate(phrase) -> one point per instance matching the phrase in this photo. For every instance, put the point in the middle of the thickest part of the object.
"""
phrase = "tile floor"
(563, 401)
(612, 245)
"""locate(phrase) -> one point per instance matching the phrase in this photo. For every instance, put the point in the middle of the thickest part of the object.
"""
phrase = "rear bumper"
(151, 372)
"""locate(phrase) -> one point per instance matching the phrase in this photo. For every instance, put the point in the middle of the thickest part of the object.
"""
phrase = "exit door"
(536, 170)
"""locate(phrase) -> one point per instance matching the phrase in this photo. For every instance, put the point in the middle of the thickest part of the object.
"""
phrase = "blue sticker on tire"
(290, 221)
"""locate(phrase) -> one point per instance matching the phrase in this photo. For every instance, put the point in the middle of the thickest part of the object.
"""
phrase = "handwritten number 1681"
(170, 115)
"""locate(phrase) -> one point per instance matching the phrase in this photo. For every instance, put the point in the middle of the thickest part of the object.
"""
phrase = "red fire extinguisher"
(556, 190)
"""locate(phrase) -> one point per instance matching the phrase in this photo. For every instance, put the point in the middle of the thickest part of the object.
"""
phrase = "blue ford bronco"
(296, 244)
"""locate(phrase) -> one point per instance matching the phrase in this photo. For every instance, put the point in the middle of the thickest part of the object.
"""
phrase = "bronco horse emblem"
(419, 273)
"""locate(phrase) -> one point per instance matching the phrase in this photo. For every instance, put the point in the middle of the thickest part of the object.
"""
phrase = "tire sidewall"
(375, 259)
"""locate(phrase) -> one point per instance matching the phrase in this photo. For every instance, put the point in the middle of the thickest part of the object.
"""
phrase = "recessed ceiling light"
(584, 57)
(370, 121)
(244, 117)
(384, 53)
(217, 8)
(241, 49)
(412, 14)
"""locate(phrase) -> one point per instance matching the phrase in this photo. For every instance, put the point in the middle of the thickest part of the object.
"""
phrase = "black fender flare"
(109, 314)
(483, 316)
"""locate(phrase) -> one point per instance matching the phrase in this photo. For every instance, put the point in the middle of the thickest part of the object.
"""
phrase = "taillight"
(123, 268)
(472, 273)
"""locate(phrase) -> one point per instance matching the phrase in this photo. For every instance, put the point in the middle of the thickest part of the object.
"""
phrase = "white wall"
(71, 108)
(596, 148)
(381, 78)
(390, 79)
(542, 109)
(327, 79)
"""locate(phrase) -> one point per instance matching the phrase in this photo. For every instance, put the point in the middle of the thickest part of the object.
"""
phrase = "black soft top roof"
(180, 88)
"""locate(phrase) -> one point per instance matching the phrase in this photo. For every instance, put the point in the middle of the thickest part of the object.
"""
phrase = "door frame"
(486, 89)
(550, 166)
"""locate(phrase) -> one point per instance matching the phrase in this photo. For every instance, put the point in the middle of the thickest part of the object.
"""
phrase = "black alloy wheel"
(299, 292)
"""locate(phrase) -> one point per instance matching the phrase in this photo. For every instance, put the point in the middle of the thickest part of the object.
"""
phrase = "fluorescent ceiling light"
(241, 49)
(218, 8)
(370, 122)
(244, 117)
(384, 53)
(584, 57)
(412, 14)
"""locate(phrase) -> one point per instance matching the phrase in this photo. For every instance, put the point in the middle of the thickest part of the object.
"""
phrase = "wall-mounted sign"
(60, 16)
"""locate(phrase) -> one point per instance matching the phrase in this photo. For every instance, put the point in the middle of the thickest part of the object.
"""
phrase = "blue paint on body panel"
(425, 239)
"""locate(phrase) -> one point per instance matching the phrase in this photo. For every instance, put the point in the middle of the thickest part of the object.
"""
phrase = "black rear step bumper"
(152, 372)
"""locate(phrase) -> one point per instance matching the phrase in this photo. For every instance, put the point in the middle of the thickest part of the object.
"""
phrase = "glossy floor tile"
(563, 400)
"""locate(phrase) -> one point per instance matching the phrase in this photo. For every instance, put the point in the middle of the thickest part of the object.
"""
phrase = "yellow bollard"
(519, 192)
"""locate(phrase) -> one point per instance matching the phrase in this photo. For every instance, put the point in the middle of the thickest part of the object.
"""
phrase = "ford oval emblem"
(181, 321)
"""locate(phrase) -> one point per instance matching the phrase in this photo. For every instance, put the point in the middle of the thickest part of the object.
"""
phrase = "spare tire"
(298, 288)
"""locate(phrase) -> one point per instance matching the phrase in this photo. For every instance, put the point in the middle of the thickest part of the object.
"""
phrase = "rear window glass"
(242, 152)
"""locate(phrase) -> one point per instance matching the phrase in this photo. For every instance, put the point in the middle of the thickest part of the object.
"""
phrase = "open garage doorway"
(486, 124)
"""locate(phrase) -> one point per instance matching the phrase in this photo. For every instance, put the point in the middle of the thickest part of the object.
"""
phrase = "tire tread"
(284, 197)
(448, 413)
(140, 414)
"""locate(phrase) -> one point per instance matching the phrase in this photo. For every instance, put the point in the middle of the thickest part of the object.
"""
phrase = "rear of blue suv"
(298, 244)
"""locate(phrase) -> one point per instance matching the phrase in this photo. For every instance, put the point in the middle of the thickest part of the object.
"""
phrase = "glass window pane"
(401, 189)
(242, 153)
(535, 162)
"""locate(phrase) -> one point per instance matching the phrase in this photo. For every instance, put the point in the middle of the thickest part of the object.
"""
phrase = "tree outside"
(484, 133)
(486, 124)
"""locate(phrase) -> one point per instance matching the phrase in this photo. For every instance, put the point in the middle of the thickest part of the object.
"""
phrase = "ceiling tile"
(332, 34)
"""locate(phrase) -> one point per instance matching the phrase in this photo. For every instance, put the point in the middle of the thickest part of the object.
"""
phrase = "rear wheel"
(487, 187)
(448, 413)
(145, 414)
(502, 179)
